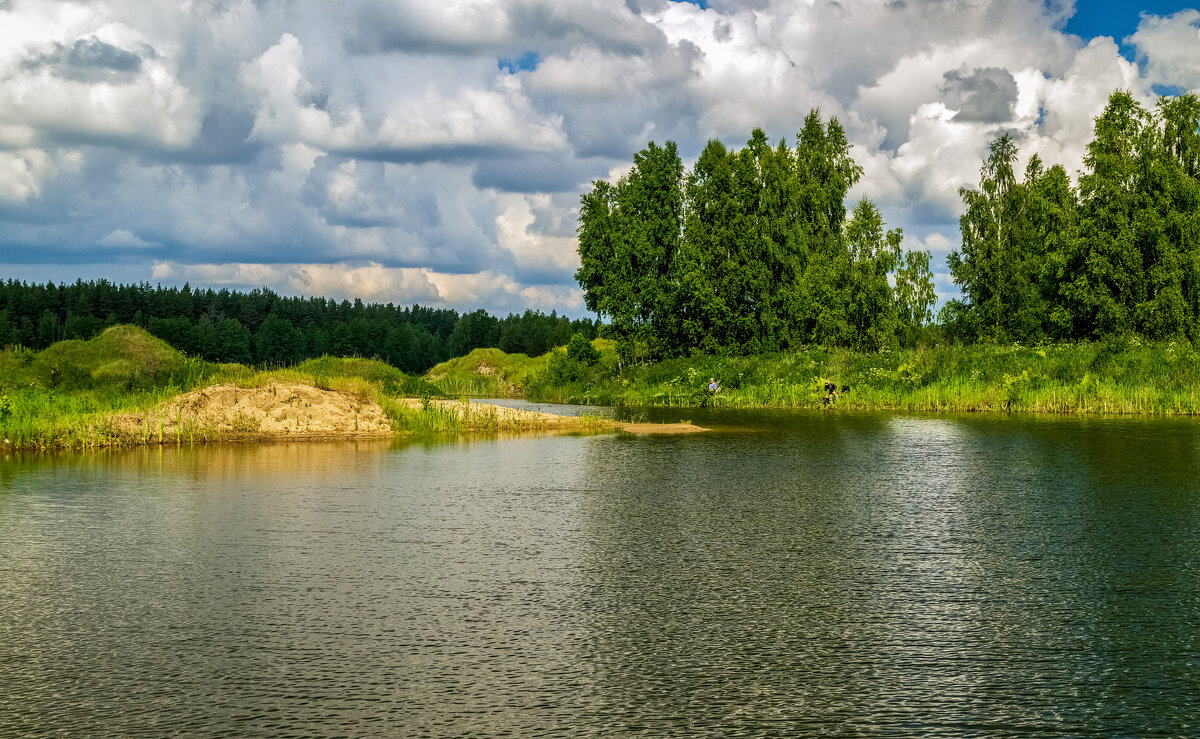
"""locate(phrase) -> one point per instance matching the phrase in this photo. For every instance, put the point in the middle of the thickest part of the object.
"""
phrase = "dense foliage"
(1118, 255)
(750, 251)
(264, 328)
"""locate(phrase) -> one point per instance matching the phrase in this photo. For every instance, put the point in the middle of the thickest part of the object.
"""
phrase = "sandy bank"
(661, 428)
(487, 416)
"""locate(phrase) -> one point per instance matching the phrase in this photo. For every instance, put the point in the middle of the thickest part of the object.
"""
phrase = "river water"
(787, 574)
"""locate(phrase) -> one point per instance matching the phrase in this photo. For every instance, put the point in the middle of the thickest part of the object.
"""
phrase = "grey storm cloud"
(551, 173)
(223, 139)
(89, 60)
(507, 29)
(624, 33)
(985, 95)
(368, 198)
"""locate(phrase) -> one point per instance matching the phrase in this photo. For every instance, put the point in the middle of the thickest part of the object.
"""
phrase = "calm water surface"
(788, 574)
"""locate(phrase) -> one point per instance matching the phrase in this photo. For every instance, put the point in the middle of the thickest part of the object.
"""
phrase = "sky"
(434, 151)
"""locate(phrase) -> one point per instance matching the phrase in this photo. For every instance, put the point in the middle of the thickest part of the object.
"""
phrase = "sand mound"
(275, 410)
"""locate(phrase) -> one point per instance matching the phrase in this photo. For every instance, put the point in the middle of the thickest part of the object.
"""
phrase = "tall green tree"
(983, 265)
(1180, 120)
(232, 343)
(825, 173)
(651, 214)
(629, 236)
(473, 330)
(278, 342)
(711, 268)
(1050, 224)
(915, 295)
(1106, 264)
(872, 312)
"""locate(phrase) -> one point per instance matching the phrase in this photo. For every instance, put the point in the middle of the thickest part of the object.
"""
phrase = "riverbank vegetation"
(1116, 376)
(83, 394)
(1116, 255)
(750, 251)
(1077, 297)
(487, 373)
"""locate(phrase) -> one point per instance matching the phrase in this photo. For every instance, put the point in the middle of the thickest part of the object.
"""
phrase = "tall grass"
(1118, 376)
(428, 418)
(48, 419)
(73, 393)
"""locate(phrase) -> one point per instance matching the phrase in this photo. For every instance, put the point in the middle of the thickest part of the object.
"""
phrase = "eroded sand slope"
(276, 410)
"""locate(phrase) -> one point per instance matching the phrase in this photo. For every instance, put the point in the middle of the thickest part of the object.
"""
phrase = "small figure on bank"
(713, 387)
(831, 392)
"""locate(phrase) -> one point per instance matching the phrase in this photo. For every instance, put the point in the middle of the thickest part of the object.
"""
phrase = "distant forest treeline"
(262, 327)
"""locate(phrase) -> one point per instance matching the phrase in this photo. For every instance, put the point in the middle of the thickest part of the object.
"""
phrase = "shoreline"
(115, 431)
(293, 412)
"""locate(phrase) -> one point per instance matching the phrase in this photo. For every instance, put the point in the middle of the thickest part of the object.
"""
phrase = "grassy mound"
(391, 380)
(487, 373)
(120, 357)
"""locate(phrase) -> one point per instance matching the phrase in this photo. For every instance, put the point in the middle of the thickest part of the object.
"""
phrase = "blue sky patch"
(527, 62)
(1168, 90)
(1116, 18)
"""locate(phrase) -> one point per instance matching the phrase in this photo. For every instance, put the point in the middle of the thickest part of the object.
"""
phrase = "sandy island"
(294, 411)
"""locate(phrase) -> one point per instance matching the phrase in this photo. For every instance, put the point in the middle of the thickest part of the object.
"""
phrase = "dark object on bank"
(845, 388)
(831, 393)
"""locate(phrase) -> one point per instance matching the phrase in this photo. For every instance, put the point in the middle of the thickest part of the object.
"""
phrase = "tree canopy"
(1117, 255)
(751, 250)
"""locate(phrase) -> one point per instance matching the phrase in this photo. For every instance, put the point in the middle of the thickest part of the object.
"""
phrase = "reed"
(428, 418)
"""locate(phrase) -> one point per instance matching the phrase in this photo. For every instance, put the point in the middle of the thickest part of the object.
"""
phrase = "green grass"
(487, 373)
(72, 394)
(441, 416)
(1119, 376)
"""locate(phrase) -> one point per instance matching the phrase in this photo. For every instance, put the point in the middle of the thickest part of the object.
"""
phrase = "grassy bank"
(75, 394)
(1112, 377)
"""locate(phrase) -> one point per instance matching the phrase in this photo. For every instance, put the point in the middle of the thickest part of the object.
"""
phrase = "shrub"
(581, 351)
